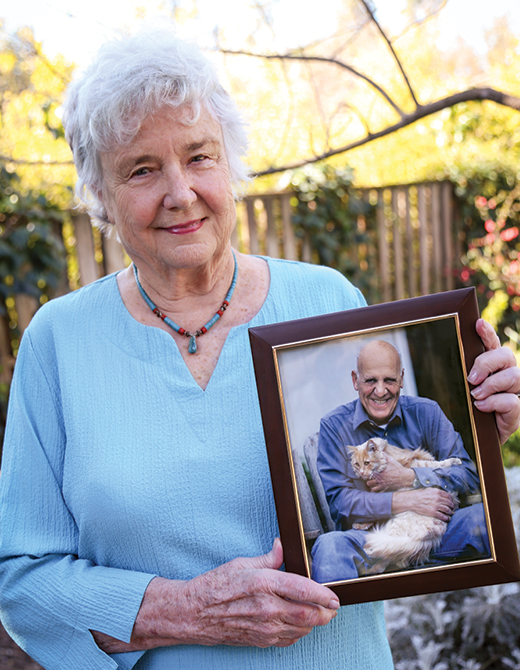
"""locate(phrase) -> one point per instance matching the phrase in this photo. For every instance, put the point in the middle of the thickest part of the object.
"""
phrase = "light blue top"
(118, 467)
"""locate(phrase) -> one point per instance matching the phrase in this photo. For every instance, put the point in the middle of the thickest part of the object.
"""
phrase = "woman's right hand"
(246, 602)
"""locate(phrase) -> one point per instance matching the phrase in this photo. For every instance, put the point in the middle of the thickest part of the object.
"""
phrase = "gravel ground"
(12, 657)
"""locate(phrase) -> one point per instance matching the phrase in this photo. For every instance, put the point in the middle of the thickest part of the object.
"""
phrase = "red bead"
(181, 331)
(203, 330)
(220, 312)
(226, 303)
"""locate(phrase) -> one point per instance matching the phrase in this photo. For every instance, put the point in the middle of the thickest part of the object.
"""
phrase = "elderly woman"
(135, 478)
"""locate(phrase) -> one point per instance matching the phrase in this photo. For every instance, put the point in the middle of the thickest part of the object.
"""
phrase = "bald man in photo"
(407, 422)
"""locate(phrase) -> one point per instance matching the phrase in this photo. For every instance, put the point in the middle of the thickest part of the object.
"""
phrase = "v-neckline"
(231, 333)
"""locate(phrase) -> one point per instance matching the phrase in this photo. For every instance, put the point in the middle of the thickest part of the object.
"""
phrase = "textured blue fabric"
(118, 467)
(416, 422)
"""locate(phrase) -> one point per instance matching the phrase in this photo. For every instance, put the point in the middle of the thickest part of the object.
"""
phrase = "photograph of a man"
(407, 422)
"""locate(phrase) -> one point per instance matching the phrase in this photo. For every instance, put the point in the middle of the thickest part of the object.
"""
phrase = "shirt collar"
(361, 417)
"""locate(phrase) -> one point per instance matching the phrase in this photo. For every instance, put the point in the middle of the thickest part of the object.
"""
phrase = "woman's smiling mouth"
(185, 228)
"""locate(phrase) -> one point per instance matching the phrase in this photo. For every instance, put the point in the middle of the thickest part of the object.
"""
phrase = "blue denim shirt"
(416, 422)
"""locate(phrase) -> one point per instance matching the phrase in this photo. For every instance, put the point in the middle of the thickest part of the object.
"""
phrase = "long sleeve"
(40, 569)
(443, 441)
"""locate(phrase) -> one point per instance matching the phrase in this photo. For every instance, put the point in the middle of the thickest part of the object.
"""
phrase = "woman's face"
(168, 192)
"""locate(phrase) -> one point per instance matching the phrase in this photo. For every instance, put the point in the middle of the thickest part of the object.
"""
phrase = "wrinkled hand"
(246, 602)
(496, 378)
(394, 476)
(429, 502)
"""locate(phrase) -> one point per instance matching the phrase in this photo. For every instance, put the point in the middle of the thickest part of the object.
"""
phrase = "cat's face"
(368, 458)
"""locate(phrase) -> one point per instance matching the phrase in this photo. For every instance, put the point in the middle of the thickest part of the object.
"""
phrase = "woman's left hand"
(496, 378)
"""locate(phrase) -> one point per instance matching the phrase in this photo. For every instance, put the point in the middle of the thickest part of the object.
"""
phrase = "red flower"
(464, 275)
(489, 225)
(480, 201)
(509, 234)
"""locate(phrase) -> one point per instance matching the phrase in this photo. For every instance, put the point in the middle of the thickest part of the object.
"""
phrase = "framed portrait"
(388, 482)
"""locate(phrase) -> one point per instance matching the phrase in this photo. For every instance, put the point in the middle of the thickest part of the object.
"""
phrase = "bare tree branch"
(387, 40)
(356, 112)
(424, 110)
(321, 59)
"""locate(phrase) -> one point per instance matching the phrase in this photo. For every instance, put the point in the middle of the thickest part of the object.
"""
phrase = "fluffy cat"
(407, 538)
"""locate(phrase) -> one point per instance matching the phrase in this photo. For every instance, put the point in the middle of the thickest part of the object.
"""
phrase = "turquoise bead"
(192, 346)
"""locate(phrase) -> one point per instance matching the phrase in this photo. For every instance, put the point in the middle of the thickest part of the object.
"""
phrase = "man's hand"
(496, 378)
(394, 476)
(430, 502)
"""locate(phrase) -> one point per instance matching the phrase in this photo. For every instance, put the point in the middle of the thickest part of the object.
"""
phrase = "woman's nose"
(179, 193)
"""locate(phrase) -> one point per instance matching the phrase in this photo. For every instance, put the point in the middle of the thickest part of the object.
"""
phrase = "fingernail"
(334, 605)
(476, 393)
(472, 377)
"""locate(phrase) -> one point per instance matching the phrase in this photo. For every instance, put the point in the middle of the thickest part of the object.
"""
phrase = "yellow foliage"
(7, 62)
(29, 126)
(495, 308)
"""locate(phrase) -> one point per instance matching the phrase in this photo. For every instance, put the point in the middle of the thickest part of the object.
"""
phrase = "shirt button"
(427, 481)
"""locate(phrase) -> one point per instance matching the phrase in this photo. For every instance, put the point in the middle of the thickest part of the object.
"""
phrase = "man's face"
(379, 381)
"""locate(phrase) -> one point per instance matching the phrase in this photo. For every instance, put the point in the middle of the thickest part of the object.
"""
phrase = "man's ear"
(355, 380)
(402, 377)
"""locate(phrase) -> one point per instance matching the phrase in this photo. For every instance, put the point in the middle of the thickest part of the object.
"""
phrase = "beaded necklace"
(192, 346)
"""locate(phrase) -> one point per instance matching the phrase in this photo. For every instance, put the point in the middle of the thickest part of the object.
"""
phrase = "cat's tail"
(404, 541)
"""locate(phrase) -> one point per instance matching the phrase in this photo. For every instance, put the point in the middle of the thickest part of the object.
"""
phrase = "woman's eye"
(199, 158)
(140, 171)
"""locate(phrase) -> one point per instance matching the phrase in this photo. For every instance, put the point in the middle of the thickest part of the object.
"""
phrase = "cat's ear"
(351, 448)
(371, 445)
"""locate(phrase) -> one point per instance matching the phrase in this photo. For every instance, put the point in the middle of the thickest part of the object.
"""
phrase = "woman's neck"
(188, 289)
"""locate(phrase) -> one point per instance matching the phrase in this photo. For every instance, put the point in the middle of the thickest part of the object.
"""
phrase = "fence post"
(113, 255)
(423, 240)
(383, 246)
(272, 247)
(398, 249)
(447, 220)
(289, 239)
(254, 247)
(436, 239)
(26, 306)
(88, 269)
(412, 283)
(6, 355)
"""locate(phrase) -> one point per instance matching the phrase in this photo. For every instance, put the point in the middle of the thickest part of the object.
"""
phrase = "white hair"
(129, 79)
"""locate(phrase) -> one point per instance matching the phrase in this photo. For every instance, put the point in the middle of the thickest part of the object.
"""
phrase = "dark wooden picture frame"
(428, 316)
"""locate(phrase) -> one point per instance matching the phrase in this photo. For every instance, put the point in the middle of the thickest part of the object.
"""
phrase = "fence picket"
(85, 248)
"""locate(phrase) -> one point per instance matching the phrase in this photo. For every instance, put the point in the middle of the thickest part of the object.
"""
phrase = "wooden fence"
(412, 249)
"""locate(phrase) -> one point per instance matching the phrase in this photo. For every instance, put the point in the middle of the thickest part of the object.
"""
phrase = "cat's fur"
(407, 538)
